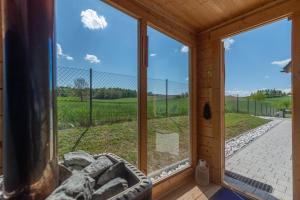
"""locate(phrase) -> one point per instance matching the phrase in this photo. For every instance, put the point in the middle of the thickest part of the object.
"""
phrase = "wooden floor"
(191, 191)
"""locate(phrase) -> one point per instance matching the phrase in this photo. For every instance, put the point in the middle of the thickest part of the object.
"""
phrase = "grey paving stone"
(268, 160)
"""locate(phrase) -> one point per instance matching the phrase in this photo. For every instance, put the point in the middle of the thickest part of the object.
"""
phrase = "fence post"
(237, 103)
(248, 105)
(261, 108)
(166, 97)
(255, 108)
(91, 96)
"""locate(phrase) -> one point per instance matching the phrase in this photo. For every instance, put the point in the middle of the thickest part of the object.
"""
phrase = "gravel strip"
(235, 144)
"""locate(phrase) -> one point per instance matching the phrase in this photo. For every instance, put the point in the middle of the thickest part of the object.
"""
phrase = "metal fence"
(87, 97)
(236, 104)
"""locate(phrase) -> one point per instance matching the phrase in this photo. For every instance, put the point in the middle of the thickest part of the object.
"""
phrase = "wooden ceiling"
(198, 15)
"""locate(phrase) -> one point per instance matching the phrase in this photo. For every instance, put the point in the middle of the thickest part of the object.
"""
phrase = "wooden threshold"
(191, 191)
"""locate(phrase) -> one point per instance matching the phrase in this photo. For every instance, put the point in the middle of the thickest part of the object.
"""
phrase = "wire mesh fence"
(236, 104)
(89, 97)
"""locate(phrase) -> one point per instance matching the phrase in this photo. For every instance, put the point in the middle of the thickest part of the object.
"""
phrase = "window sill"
(169, 183)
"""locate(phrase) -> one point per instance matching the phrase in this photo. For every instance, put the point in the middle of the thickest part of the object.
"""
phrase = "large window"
(98, 87)
(168, 105)
(97, 79)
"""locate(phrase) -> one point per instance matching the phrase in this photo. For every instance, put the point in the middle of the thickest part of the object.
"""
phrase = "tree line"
(271, 93)
(81, 89)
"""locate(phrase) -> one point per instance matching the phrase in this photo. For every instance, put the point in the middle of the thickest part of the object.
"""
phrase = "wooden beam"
(296, 103)
(171, 183)
(254, 19)
(193, 104)
(142, 92)
(157, 20)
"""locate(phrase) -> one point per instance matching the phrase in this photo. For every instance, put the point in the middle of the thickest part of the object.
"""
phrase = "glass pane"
(258, 111)
(96, 79)
(168, 106)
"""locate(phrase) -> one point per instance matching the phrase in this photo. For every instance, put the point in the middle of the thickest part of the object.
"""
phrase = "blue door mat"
(226, 194)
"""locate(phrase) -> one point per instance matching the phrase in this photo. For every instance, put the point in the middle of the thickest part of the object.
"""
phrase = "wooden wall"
(210, 84)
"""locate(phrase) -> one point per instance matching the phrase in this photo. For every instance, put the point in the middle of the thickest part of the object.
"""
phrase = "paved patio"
(268, 160)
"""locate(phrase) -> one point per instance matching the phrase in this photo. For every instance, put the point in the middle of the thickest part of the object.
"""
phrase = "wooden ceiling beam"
(256, 18)
(158, 20)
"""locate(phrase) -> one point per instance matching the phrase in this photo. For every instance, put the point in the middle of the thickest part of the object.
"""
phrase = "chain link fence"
(86, 97)
(236, 104)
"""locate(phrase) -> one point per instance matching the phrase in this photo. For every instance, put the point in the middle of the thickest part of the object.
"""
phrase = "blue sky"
(92, 34)
(254, 59)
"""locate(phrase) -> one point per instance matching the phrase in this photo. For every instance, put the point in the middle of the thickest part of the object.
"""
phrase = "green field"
(115, 125)
(121, 139)
(236, 123)
(74, 113)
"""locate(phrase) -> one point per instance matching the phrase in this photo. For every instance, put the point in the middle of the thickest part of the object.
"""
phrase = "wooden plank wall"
(210, 83)
(209, 86)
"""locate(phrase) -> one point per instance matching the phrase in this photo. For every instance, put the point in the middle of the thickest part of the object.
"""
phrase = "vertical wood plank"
(222, 108)
(142, 93)
(193, 104)
(216, 103)
(296, 103)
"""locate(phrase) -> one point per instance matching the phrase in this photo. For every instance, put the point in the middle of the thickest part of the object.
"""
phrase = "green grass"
(74, 113)
(121, 138)
(236, 124)
(115, 128)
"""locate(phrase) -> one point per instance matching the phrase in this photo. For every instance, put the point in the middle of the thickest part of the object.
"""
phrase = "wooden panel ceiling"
(199, 15)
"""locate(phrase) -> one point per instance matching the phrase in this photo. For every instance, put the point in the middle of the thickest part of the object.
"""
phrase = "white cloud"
(92, 58)
(92, 20)
(60, 53)
(153, 54)
(184, 49)
(69, 57)
(187, 78)
(266, 76)
(227, 43)
(281, 63)
(59, 49)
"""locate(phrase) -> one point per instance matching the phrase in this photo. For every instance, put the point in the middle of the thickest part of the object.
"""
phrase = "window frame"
(221, 57)
(181, 175)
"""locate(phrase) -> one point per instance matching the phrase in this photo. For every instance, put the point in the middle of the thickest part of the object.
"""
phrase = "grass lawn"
(239, 123)
(74, 113)
(121, 138)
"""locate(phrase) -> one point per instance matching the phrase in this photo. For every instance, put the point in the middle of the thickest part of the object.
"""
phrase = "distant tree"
(283, 105)
(80, 88)
(258, 96)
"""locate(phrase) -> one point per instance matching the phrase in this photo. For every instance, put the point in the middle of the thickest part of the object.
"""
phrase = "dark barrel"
(29, 139)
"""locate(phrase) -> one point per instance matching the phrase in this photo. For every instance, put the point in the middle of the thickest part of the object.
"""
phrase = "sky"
(254, 59)
(92, 34)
